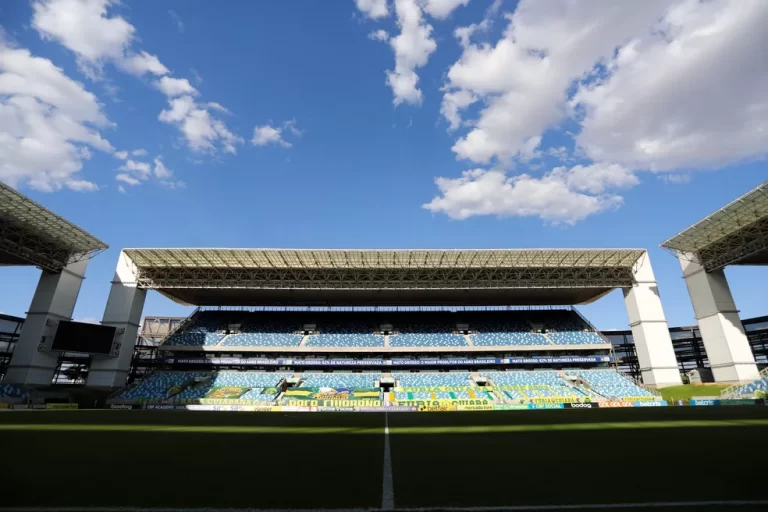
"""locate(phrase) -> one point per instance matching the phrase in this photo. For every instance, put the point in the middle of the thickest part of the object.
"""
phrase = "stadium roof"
(736, 234)
(309, 277)
(30, 234)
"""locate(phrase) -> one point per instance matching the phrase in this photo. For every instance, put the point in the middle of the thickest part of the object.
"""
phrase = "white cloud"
(120, 155)
(379, 35)
(48, 121)
(263, 135)
(141, 170)
(453, 103)
(139, 152)
(141, 63)
(218, 107)
(173, 87)
(176, 19)
(291, 127)
(84, 27)
(201, 131)
(374, 9)
(691, 94)
(523, 79)
(161, 171)
(441, 9)
(81, 185)
(492, 192)
(596, 178)
(268, 134)
(412, 47)
(95, 36)
(127, 179)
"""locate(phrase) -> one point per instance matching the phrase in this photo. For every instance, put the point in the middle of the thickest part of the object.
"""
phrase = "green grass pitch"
(335, 460)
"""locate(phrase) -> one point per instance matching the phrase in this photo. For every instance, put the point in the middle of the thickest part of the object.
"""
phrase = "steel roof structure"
(736, 234)
(309, 277)
(30, 234)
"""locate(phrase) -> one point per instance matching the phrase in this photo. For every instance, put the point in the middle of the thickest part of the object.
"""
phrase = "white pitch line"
(387, 491)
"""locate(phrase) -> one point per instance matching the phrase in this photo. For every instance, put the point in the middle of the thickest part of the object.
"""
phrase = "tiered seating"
(157, 385)
(200, 332)
(760, 384)
(257, 380)
(339, 380)
(567, 328)
(264, 333)
(501, 333)
(611, 384)
(12, 391)
(575, 338)
(345, 335)
(531, 385)
(426, 335)
(425, 379)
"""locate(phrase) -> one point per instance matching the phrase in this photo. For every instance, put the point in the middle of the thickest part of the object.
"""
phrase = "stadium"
(276, 392)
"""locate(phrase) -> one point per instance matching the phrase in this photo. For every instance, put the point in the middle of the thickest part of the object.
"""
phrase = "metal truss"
(22, 246)
(743, 244)
(32, 234)
(382, 278)
(726, 222)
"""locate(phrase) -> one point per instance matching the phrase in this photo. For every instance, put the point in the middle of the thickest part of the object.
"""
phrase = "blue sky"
(384, 124)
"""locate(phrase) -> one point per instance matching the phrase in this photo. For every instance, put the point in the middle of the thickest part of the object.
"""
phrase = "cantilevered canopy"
(383, 277)
(30, 234)
(736, 234)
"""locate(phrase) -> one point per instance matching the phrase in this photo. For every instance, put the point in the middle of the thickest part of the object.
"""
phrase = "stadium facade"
(439, 324)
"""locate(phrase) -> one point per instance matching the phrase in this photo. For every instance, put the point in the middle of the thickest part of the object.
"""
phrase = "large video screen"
(83, 337)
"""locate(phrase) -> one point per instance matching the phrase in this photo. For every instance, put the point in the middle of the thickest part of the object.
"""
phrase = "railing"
(591, 326)
(730, 390)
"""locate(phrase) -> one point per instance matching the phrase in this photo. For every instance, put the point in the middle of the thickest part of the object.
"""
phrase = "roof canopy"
(30, 234)
(383, 277)
(736, 234)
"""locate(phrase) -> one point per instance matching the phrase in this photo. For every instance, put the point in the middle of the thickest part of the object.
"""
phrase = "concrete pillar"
(32, 364)
(725, 342)
(655, 354)
(124, 308)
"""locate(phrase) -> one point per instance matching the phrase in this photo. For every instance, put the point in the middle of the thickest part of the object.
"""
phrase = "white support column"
(124, 308)
(726, 344)
(32, 364)
(655, 353)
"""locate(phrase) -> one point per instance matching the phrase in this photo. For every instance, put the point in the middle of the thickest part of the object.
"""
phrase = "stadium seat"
(611, 384)
(257, 331)
(750, 389)
(426, 335)
(12, 391)
(345, 335)
(505, 333)
(156, 385)
(339, 380)
(428, 379)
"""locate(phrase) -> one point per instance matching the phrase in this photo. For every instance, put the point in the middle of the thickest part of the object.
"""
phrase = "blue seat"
(432, 379)
(339, 380)
(350, 335)
(610, 384)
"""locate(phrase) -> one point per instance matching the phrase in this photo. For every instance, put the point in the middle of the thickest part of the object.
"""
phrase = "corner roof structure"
(387, 277)
(736, 234)
(31, 234)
